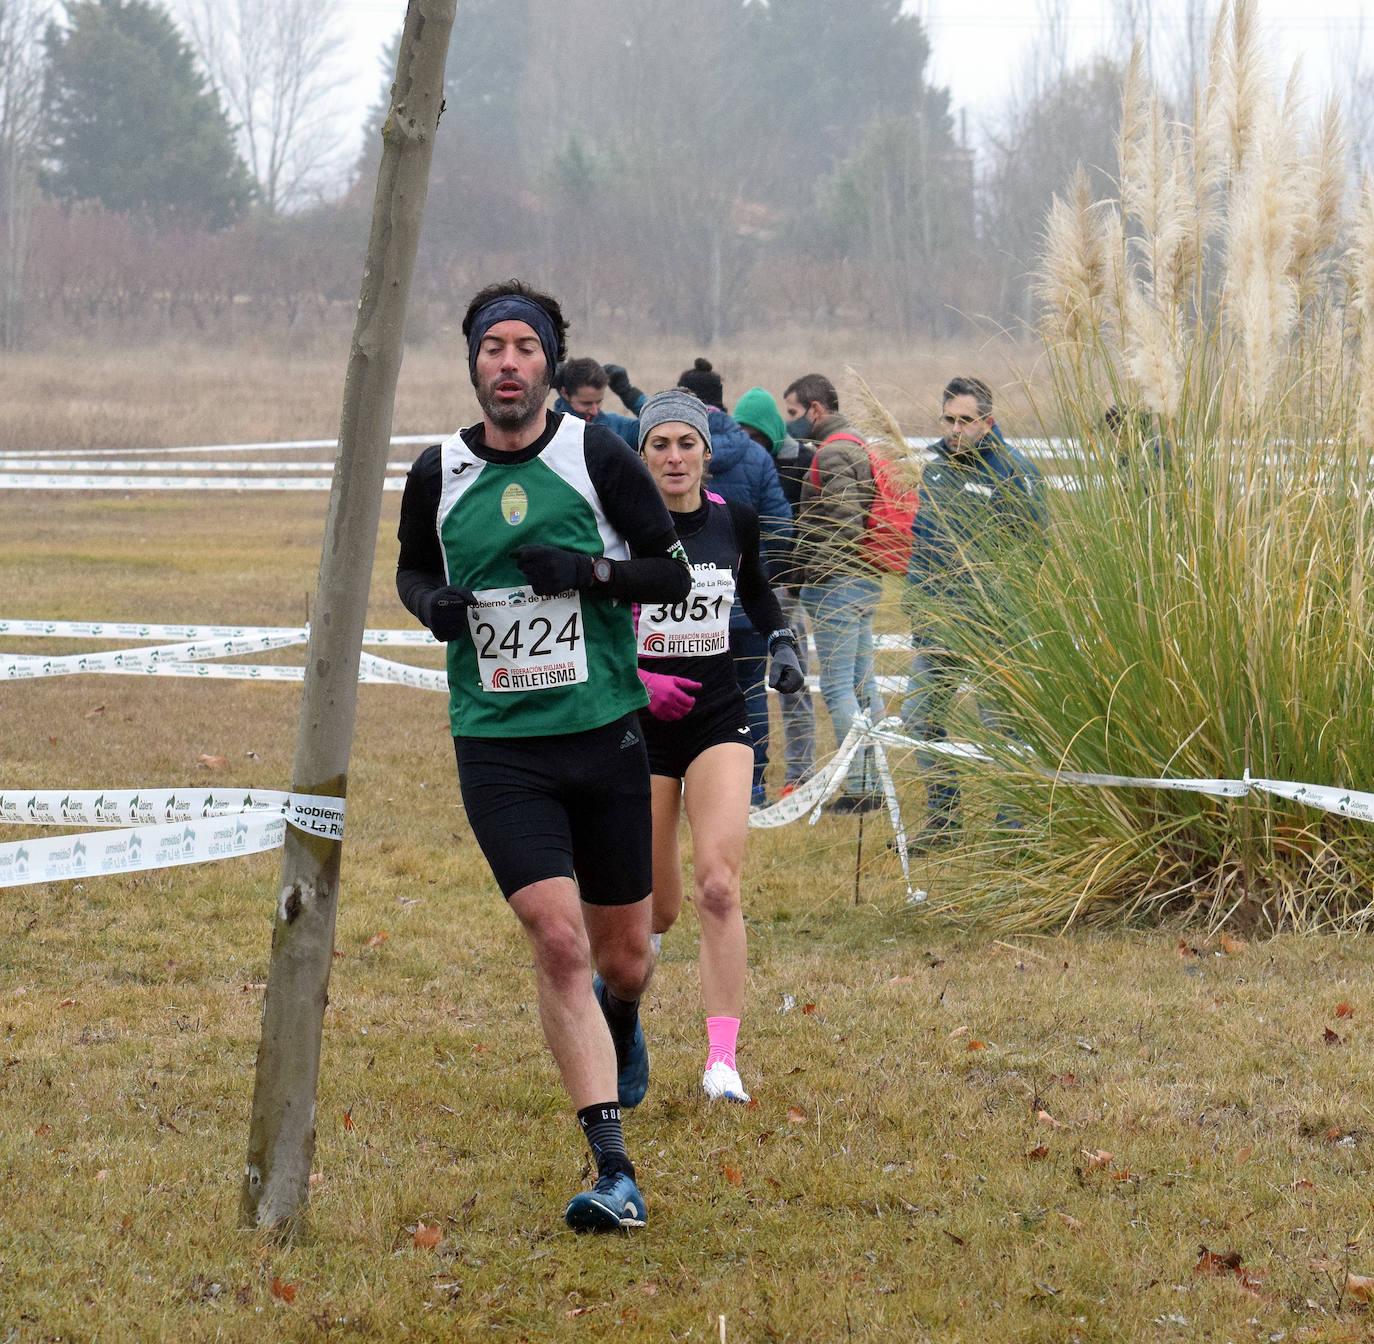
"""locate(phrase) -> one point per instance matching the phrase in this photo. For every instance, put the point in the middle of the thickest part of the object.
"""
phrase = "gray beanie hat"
(674, 404)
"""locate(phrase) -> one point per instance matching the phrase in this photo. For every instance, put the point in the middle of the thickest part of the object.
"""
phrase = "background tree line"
(699, 168)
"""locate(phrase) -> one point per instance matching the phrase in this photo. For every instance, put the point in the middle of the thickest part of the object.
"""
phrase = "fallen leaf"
(1360, 1286)
(1231, 945)
(1329, 1037)
(102, 1174)
(1344, 1010)
(284, 1292)
(958, 1031)
(377, 938)
(1071, 1222)
(316, 1177)
(648, 1289)
(901, 980)
(91, 713)
(576, 1311)
(977, 1045)
(1210, 1263)
(732, 1174)
(1038, 1154)
(43, 1130)
(1066, 1080)
(795, 1114)
(1098, 1157)
(1046, 1118)
(67, 1003)
(1243, 1155)
(212, 762)
(425, 1237)
(348, 1119)
(808, 1008)
(1302, 1184)
(1184, 950)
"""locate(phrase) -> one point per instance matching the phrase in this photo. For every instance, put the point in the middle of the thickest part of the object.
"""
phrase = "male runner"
(524, 541)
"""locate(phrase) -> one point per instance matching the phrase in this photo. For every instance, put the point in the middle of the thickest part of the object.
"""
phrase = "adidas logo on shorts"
(629, 740)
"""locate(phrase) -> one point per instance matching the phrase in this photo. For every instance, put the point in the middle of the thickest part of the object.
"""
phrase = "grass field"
(954, 1137)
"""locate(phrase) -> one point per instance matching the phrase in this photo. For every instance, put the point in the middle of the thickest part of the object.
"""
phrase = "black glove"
(619, 383)
(445, 612)
(552, 570)
(784, 673)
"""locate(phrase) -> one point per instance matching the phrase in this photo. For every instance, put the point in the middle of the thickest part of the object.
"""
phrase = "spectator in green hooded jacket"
(757, 414)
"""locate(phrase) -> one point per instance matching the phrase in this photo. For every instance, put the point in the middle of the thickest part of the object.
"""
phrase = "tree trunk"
(281, 1136)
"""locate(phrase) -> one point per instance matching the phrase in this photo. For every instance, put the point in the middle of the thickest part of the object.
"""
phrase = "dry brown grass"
(180, 395)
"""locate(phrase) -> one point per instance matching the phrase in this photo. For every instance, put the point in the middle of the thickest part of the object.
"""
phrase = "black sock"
(601, 1124)
(620, 1018)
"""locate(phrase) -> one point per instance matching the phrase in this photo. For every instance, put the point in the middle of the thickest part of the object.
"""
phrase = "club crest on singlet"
(515, 504)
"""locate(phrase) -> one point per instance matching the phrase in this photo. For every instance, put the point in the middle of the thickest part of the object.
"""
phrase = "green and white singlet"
(534, 665)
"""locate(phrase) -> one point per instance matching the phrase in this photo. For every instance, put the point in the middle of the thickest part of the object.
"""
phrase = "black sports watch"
(602, 570)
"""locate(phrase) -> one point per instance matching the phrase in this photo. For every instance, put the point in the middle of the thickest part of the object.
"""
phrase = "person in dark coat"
(757, 414)
(981, 499)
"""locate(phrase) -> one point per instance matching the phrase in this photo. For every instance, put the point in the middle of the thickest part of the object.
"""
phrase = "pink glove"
(669, 697)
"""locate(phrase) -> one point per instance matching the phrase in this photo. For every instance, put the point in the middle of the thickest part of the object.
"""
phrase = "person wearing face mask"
(696, 729)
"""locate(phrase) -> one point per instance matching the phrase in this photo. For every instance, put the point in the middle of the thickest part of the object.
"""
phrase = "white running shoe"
(721, 1081)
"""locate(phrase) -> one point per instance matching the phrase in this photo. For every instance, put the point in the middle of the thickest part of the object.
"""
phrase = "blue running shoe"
(612, 1203)
(632, 1067)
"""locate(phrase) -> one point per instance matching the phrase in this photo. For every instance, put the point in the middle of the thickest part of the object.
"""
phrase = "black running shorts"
(674, 746)
(574, 805)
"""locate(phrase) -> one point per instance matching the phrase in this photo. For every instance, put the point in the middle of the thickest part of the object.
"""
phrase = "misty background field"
(1103, 1083)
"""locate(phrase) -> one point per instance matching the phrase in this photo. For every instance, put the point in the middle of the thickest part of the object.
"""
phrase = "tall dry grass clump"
(1202, 611)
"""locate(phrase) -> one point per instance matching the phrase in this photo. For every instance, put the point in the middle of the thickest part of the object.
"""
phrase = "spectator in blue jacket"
(581, 386)
(743, 471)
(981, 500)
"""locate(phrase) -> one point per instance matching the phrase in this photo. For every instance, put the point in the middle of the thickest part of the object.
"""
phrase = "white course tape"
(35, 481)
(283, 445)
(1344, 802)
(142, 807)
(134, 630)
(140, 660)
(170, 827)
(374, 669)
(138, 848)
(67, 465)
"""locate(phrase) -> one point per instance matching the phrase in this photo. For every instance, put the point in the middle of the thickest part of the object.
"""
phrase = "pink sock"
(722, 1033)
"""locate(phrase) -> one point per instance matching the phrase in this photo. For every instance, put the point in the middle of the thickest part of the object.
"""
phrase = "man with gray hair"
(979, 496)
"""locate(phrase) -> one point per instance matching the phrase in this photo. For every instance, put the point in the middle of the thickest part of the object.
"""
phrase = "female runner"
(700, 752)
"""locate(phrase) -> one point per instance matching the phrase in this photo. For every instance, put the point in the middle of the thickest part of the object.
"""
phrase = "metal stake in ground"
(281, 1136)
